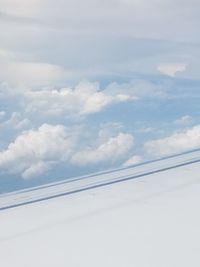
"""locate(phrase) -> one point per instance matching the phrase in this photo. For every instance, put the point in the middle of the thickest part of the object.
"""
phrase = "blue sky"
(91, 85)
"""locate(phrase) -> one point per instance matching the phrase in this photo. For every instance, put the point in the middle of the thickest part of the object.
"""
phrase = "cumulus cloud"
(178, 142)
(35, 151)
(171, 69)
(10, 127)
(112, 150)
(16, 121)
(84, 99)
(132, 160)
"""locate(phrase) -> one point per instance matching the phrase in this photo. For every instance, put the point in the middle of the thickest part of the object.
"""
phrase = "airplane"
(145, 215)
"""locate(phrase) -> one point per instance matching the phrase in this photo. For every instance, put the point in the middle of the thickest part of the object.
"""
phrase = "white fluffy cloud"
(34, 151)
(84, 99)
(112, 150)
(176, 143)
(16, 121)
(133, 160)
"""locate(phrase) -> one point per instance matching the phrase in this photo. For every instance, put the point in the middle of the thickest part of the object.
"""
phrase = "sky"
(87, 86)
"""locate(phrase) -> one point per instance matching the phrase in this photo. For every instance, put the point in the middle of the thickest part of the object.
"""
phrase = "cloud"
(21, 7)
(2, 114)
(16, 121)
(133, 160)
(17, 71)
(86, 98)
(178, 142)
(75, 21)
(171, 69)
(42, 61)
(119, 16)
(114, 149)
(184, 121)
(140, 89)
(36, 169)
(35, 151)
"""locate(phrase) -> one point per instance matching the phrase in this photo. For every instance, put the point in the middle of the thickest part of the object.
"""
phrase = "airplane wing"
(144, 216)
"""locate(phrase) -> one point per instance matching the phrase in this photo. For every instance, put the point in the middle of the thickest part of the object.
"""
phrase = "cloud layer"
(36, 151)
(93, 84)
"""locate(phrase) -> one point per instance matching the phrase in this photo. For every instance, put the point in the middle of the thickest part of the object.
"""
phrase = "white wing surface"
(143, 216)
